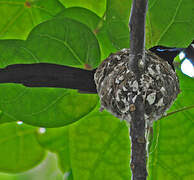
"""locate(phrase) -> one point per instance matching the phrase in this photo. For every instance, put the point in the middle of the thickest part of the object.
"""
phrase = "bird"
(113, 80)
(60, 76)
(49, 75)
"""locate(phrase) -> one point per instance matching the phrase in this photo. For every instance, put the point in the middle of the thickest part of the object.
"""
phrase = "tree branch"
(178, 110)
(137, 125)
(137, 31)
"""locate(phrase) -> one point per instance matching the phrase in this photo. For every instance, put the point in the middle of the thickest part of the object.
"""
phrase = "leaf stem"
(179, 110)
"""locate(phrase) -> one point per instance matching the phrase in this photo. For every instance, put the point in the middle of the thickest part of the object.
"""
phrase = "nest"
(118, 86)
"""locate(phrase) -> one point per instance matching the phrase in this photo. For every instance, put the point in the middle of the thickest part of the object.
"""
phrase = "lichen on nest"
(118, 86)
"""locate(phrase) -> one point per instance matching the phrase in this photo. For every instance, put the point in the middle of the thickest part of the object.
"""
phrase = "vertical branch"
(137, 31)
(137, 125)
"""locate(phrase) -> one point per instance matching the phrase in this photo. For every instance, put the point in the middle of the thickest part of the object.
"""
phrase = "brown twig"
(137, 125)
(178, 110)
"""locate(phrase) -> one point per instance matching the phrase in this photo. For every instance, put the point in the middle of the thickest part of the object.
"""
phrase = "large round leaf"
(96, 147)
(55, 41)
(19, 150)
(170, 23)
(19, 17)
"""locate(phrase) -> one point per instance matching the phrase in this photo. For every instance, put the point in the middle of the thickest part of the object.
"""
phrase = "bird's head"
(166, 53)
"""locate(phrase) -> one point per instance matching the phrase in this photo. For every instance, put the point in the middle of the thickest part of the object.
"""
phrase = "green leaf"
(170, 23)
(24, 15)
(55, 41)
(172, 149)
(113, 33)
(95, 23)
(52, 141)
(117, 20)
(97, 6)
(59, 41)
(46, 107)
(106, 44)
(69, 176)
(96, 147)
(82, 15)
(19, 150)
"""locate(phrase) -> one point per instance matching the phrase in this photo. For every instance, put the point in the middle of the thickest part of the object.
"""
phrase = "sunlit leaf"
(170, 23)
(172, 149)
(19, 149)
(117, 20)
(82, 15)
(19, 17)
(95, 23)
(97, 6)
(97, 147)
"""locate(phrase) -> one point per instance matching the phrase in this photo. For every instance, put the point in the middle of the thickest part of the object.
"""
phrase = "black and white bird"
(115, 83)
(60, 76)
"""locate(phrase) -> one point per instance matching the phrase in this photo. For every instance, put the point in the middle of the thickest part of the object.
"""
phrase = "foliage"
(94, 145)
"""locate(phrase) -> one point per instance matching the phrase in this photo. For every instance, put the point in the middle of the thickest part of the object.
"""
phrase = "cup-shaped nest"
(118, 86)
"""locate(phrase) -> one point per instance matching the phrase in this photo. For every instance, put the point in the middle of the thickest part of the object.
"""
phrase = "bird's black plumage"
(49, 75)
(166, 53)
(59, 76)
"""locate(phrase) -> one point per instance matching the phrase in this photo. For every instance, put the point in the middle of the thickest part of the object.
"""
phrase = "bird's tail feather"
(49, 75)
